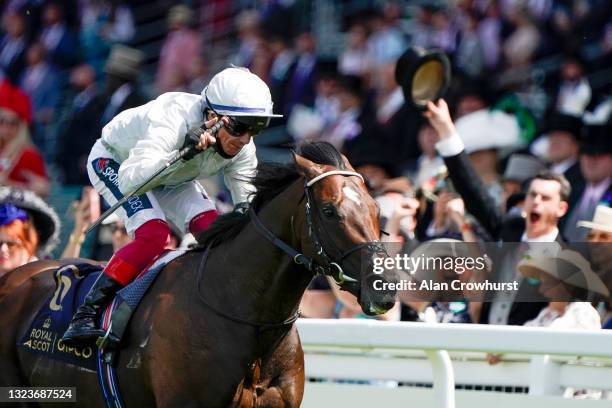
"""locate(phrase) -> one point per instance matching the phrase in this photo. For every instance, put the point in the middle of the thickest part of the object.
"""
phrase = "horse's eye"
(329, 211)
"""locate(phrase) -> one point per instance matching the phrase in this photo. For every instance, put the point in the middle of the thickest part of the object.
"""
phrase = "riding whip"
(188, 151)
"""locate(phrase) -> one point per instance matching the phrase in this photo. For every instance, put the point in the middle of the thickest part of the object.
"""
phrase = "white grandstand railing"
(542, 359)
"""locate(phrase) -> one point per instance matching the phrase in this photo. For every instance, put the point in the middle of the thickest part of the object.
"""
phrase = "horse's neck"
(268, 282)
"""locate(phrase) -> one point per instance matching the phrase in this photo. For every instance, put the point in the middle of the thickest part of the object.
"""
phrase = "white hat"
(238, 92)
(567, 266)
(485, 129)
(602, 219)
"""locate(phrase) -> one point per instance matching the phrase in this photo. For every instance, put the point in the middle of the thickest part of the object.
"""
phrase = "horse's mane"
(270, 180)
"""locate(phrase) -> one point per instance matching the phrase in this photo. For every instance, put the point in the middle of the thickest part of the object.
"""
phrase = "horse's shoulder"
(18, 276)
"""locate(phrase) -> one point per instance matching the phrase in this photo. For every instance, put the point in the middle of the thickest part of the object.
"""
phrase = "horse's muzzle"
(373, 300)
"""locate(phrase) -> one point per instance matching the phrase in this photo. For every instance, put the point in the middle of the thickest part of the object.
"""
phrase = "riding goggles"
(240, 125)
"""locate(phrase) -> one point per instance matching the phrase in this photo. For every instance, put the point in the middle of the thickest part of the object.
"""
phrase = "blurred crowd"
(527, 156)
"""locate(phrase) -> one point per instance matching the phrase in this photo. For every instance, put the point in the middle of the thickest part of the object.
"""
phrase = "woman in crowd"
(29, 228)
(21, 164)
(18, 238)
(566, 279)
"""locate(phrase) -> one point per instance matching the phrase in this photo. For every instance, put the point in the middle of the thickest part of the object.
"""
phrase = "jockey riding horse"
(139, 141)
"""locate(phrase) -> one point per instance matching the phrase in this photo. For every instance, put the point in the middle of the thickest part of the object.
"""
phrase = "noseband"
(331, 265)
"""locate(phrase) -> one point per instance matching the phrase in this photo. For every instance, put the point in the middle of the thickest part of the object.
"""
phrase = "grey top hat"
(124, 62)
(522, 167)
(44, 217)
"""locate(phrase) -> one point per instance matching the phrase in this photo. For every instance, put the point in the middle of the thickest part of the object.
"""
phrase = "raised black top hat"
(597, 139)
(424, 75)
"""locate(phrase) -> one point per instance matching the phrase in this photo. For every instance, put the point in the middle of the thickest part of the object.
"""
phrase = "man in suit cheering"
(545, 204)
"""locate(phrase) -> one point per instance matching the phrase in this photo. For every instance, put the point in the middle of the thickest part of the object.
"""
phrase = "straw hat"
(567, 266)
(602, 219)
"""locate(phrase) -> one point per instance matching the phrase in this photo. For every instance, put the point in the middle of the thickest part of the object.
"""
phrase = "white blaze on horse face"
(351, 195)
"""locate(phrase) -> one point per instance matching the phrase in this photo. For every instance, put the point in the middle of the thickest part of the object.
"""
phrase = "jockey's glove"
(242, 208)
(192, 138)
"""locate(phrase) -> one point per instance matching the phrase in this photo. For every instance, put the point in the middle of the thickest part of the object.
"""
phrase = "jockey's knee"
(154, 233)
(201, 222)
(149, 241)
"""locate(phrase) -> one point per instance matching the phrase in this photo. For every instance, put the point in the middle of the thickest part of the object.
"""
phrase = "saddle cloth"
(72, 284)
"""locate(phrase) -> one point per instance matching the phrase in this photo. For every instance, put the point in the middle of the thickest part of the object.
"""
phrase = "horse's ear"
(305, 167)
(347, 164)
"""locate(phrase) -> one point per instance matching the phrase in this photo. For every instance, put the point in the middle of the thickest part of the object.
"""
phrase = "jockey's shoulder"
(183, 99)
(185, 105)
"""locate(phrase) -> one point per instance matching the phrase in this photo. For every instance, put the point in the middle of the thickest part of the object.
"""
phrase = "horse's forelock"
(321, 153)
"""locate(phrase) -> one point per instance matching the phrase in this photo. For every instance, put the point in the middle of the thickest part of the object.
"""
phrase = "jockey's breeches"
(186, 205)
(150, 239)
(178, 204)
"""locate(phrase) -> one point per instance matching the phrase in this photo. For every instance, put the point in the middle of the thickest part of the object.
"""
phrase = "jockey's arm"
(238, 173)
(163, 129)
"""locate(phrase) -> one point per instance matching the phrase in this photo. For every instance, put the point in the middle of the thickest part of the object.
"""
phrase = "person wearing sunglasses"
(139, 141)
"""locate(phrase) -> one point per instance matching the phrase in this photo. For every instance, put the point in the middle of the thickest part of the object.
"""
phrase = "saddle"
(72, 284)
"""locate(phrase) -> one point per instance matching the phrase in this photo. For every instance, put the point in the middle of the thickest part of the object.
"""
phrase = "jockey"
(139, 141)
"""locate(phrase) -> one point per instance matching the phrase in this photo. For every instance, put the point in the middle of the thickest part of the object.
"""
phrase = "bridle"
(331, 265)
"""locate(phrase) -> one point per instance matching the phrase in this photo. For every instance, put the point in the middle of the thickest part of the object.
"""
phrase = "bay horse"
(216, 327)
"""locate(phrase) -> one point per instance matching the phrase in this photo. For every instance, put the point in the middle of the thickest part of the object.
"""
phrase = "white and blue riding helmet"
(242, 96)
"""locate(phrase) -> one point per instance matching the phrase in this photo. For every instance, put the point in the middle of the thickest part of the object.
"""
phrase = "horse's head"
(342, 231)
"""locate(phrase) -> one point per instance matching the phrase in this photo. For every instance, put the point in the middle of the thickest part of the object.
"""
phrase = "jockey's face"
(231, 144)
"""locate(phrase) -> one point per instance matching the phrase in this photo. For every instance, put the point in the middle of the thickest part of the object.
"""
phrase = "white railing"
(361, 362)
